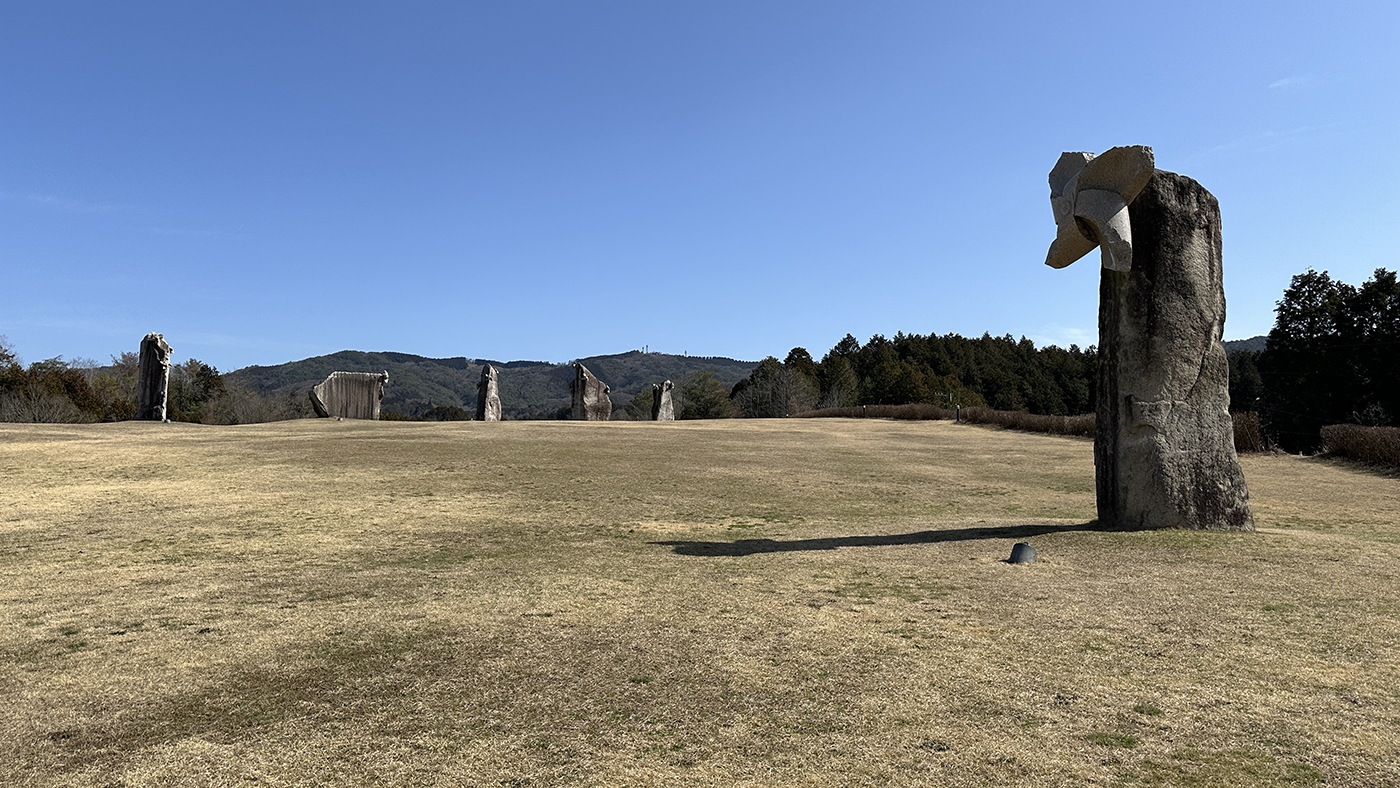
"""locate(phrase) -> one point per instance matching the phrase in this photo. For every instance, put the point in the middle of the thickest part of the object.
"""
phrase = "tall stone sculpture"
(1164, 452)
(488, 395)
(661, 407)
(350, 395)
(590, 396)
(152, 378)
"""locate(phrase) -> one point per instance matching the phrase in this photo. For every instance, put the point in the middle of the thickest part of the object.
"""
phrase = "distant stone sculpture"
(488, 395)
(1164, 452)
(590, 396)
(152, 378)
(350, 395)
(661, 408)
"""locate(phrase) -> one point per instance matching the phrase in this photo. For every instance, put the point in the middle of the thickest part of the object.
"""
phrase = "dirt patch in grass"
(806, 602)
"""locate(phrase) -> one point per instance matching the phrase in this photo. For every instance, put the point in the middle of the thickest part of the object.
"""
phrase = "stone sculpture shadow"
(756, 546)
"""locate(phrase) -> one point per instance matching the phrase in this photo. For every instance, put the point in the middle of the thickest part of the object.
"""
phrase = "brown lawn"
(787, 602)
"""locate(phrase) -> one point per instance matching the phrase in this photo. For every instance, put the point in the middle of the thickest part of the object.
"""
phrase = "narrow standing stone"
(590, 396)
(661, 407)
(153, 378)
(488, 395)
(1164, 452)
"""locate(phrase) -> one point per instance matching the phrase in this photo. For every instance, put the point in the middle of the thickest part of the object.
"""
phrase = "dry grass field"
(788, 602)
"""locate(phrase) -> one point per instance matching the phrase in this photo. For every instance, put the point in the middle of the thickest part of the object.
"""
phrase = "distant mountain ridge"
(529, 389)
(1251, 345)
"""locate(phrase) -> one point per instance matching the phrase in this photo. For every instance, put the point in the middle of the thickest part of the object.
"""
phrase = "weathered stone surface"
(488, 395)
(350, 395)
(1164, 453)
(590, 396)
(152, 378)
(661, 407)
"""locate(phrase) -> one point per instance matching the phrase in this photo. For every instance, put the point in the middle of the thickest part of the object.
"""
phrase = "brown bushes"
(922, 411)
(1082, 425)
(1248, 435)
(1379, 445)
(914, 411)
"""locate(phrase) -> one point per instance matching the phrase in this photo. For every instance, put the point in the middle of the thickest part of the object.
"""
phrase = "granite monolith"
(350, 395)
(488, 395)
(661, 407)
(590, 396)
(152, 378)
(1164, 454)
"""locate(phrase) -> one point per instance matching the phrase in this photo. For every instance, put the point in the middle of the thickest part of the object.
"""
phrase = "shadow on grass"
(754, 546)
(1356, 466)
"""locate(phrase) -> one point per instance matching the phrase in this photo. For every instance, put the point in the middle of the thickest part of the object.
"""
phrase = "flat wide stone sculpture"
(350, 395)
(152, 378)
(661, 407)
(1164, 452)
(488, 395)
(590, 396)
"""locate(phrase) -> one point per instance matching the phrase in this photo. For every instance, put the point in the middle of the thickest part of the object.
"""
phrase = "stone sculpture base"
(1164, 451)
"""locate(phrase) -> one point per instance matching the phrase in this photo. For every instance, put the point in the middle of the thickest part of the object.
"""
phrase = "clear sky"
(262, 182)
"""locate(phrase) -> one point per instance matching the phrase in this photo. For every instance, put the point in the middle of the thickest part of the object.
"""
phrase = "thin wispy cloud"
(242, 341)
(1064, 336)
(65, 205)
(1294, 82)
(60, 203)
(84, 324)
(188, 233)
(1266, 140)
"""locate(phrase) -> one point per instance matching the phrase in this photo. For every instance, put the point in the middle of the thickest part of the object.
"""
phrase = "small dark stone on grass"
(1022, 553)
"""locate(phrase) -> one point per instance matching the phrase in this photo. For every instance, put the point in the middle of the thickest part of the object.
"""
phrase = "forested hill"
(1251, 345)
(528, 388)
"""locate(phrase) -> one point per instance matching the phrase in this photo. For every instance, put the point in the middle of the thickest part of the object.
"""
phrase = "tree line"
(950, 370)
(78, 391)
(1331, 358)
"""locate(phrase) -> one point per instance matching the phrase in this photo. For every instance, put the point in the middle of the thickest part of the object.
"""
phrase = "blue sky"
(262, 182)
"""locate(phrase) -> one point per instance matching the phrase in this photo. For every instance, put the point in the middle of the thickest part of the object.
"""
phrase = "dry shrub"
(918, 411)
(1379, 445)
(832, 413)
(914, 411)
(1032, 422)
(35, 403)
(1011, 419)
(1249, 436)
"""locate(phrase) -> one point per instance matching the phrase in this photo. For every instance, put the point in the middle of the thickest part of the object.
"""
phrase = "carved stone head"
(1090, 197)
